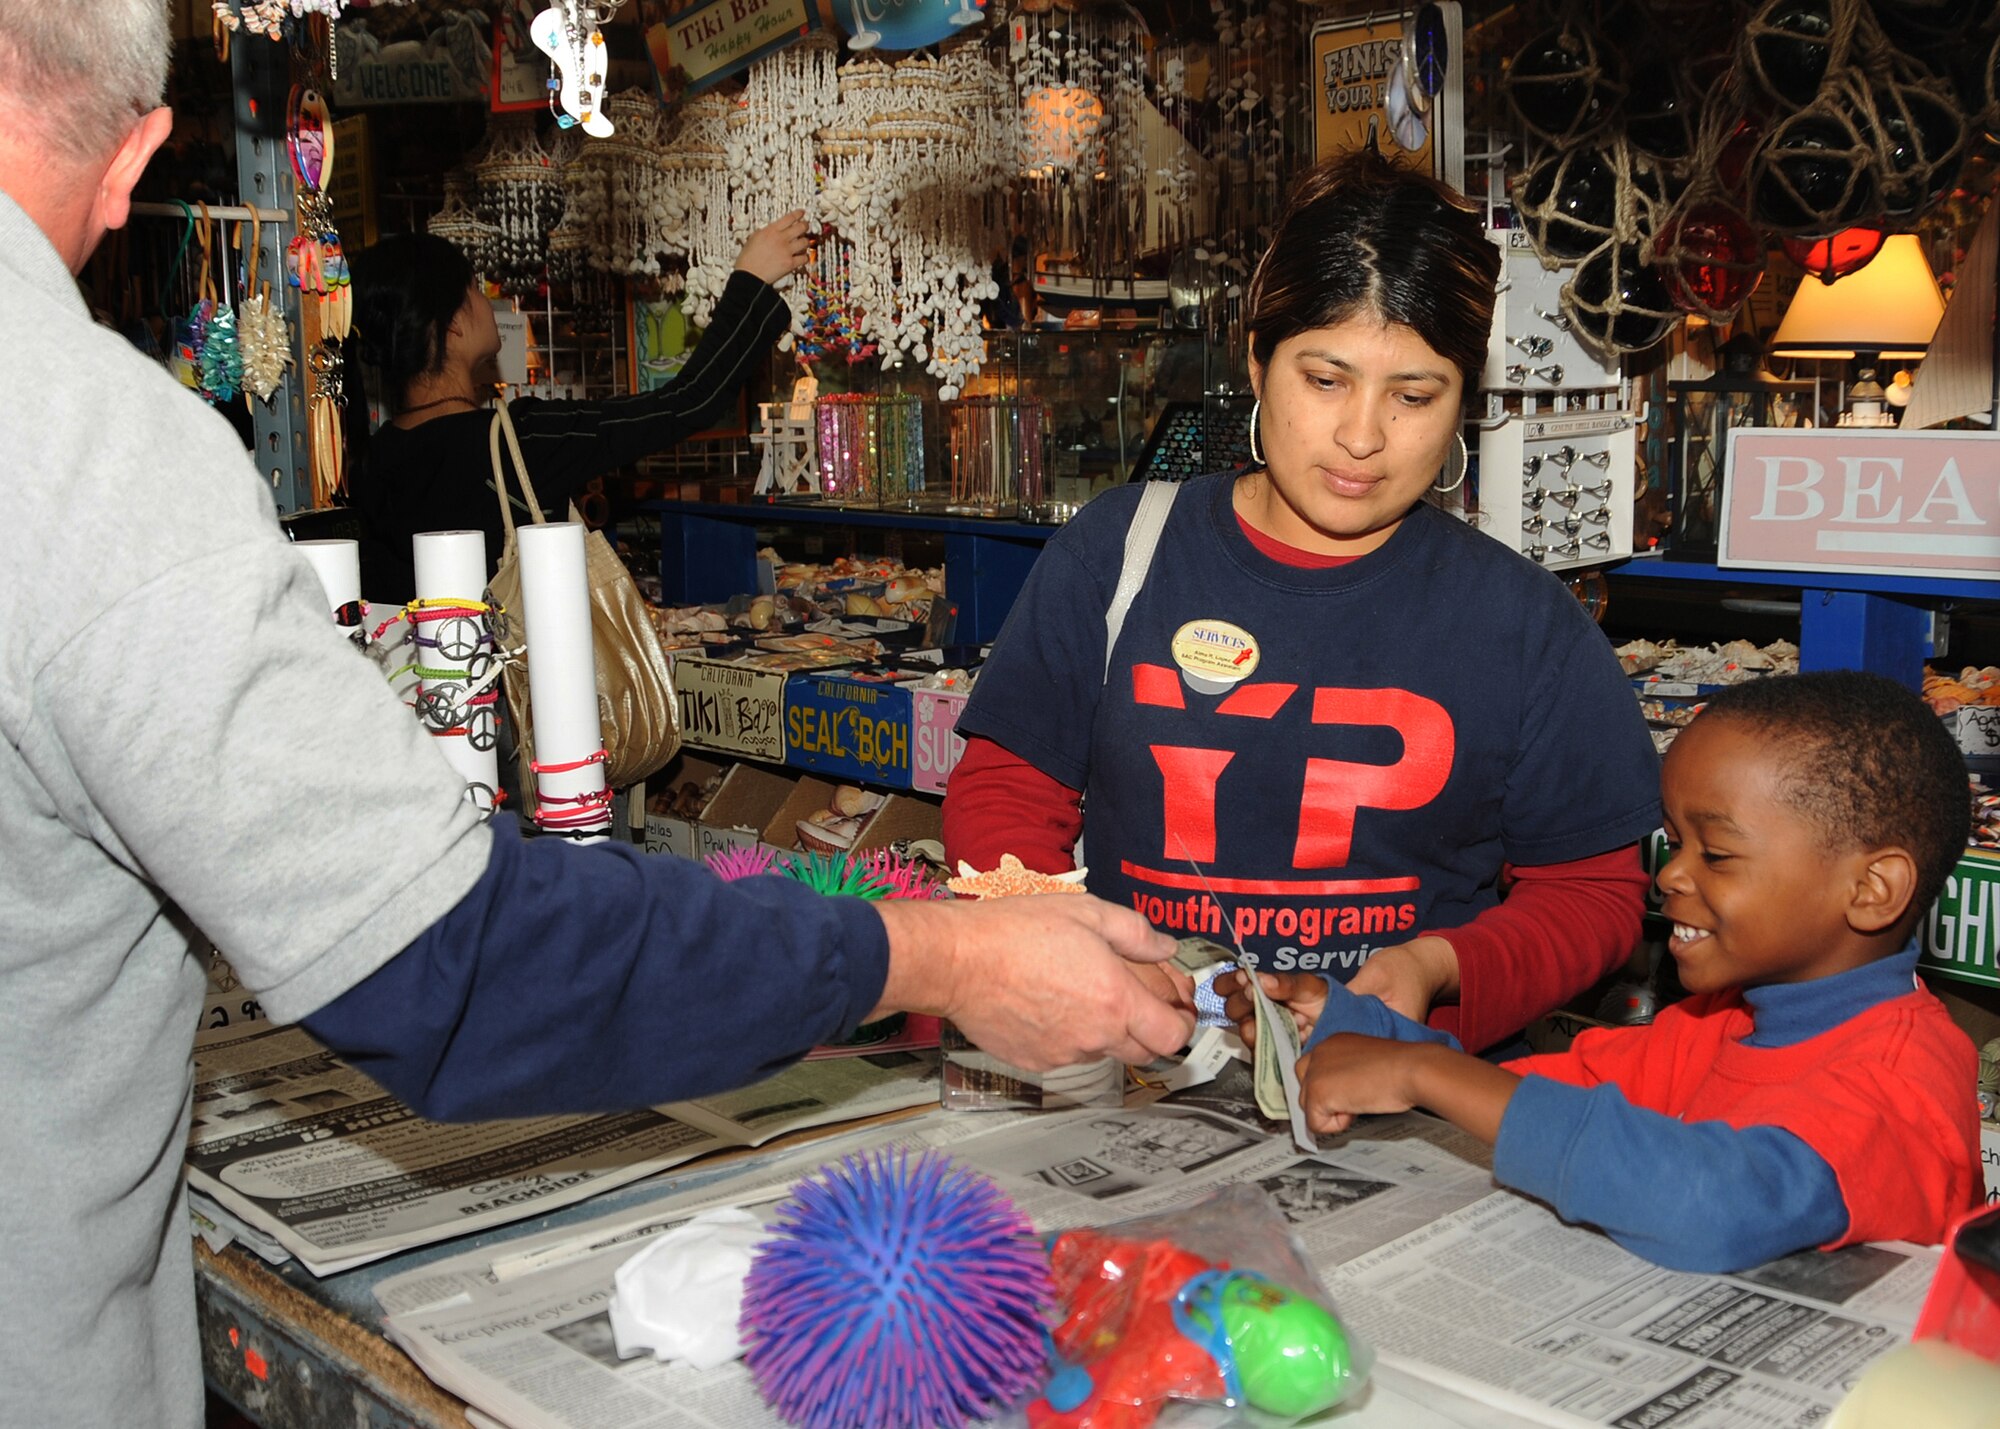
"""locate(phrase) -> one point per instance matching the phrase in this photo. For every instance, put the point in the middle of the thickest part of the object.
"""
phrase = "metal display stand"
(1556, 450)
(264, 179)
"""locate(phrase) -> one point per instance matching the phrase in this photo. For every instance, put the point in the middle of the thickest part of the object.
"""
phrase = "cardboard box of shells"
(738, 804)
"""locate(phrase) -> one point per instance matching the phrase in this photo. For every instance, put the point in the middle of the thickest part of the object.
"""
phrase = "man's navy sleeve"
(573, 979)
(1701, 1196)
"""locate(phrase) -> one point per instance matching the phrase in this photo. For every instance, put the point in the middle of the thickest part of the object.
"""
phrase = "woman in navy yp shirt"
(1338, 726)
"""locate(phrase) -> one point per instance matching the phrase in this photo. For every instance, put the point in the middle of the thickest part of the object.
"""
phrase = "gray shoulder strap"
(1155, 501)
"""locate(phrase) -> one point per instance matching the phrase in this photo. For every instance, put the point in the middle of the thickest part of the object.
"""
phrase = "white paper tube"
(451, 566)
(338, 566)
(562, 672)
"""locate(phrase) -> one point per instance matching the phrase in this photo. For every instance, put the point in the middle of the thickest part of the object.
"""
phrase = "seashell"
(836, 835)
(851, 802)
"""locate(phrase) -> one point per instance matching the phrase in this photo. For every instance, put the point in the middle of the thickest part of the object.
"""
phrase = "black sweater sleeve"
(567, 443)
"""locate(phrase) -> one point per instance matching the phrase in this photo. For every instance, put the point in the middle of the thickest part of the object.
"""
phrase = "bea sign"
(1863, 502)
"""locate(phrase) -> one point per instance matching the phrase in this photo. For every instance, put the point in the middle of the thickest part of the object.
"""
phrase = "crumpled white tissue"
(680, 1297)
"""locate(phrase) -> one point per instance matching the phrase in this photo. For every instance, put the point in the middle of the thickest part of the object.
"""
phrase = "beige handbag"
(635, 684)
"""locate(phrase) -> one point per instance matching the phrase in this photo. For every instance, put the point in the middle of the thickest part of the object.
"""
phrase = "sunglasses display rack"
(1556, 449)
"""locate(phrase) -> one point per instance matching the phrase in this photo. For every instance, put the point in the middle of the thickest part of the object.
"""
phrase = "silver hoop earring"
(1464, 461)
(1256, 451)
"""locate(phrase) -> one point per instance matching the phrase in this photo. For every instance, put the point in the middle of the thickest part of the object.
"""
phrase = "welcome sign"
(1862, 502)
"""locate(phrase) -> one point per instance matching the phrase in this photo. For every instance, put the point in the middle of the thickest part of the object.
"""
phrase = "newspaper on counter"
(1472, 1296)
(297, 1145)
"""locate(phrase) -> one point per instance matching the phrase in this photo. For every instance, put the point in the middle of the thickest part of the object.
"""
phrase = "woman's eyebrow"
(1335, 360)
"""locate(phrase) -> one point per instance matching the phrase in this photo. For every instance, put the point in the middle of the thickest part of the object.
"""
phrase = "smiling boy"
(1810, 1091)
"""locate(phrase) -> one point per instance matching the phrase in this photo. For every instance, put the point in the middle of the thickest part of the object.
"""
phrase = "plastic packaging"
(1212, 1303)
(977, 1081)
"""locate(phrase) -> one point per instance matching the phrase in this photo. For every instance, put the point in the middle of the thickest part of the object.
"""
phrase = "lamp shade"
(1889, 308)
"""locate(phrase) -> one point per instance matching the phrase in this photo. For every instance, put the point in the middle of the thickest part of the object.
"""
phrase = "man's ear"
(1882, 885)
(128, 164)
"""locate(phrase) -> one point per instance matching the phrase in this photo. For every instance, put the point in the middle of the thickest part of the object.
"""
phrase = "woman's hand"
(1410, 977)
(777, 249)
(1301, 994)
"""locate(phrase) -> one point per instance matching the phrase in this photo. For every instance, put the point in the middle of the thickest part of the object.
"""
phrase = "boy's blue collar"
(1790, 1012)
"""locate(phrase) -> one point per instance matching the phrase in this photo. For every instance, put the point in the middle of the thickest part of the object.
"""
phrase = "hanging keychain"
(221, 359)
(264, 335)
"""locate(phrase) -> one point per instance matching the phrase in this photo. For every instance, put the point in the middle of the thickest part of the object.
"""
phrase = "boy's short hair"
(1866, 761)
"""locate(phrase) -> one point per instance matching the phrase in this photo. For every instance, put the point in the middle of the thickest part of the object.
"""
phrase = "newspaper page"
(1479, 1303)
(1502, 1302)
(292, 1141)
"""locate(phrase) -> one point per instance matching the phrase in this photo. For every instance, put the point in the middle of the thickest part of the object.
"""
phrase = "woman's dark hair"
(407, 289)
(1361, 237)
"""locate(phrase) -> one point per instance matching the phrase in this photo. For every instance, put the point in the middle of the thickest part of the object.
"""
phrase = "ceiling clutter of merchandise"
(1676, 141)
(944, 153)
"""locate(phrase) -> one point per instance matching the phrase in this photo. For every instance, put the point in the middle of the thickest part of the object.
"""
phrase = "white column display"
(570, 794)
(454, 644)
(338, 566)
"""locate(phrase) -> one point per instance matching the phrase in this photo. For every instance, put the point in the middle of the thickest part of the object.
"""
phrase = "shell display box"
(828, 818)
(744, 806)
(676, 798)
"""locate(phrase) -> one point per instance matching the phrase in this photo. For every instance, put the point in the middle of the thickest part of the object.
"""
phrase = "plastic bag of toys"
(1214, 1303)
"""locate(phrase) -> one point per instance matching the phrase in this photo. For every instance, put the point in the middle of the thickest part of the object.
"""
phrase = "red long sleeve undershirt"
(1558, 928)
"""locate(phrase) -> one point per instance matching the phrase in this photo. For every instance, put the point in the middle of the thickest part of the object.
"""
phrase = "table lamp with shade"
(1888, 309)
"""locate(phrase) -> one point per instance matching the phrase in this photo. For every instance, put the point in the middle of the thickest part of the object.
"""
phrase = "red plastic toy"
(1120, 1333)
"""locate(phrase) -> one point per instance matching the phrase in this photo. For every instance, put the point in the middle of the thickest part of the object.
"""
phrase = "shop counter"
(297, 1351)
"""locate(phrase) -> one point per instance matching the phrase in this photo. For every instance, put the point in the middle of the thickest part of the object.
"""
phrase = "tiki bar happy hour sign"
(1863, 502)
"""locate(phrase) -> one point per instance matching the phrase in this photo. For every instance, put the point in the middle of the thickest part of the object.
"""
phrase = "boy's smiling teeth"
(1684, 934)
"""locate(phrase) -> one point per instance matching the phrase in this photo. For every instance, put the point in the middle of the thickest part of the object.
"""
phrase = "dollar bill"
(1274, 1070)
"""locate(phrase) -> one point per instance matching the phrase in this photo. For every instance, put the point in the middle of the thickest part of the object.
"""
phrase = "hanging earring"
(1464, 461)
(1256, 452)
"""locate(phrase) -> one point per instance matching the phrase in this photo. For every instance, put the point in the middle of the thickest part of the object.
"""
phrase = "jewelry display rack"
(1556, 447)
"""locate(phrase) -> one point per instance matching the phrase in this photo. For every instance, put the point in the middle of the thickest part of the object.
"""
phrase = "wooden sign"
(694, 47)
(1862, 502)
(450, 65)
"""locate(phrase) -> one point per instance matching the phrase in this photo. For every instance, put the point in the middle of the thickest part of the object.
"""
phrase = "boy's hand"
(1301, 994)
(1349, 1074)
(1410, 977)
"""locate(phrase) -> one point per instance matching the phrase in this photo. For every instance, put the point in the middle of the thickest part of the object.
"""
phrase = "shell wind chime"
(909, 196)
(787, 99)
(458, 223)
(1079, 82)
(700, 157)
(520, 195)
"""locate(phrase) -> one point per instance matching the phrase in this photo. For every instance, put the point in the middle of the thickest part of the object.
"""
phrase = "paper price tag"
(1979, 729)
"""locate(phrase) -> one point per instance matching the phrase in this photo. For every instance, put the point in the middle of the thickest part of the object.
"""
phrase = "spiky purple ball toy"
(900, 1291)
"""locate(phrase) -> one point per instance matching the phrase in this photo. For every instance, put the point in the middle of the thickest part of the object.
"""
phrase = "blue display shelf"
(1657, 568)
(708, 552)
(1846, 622)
